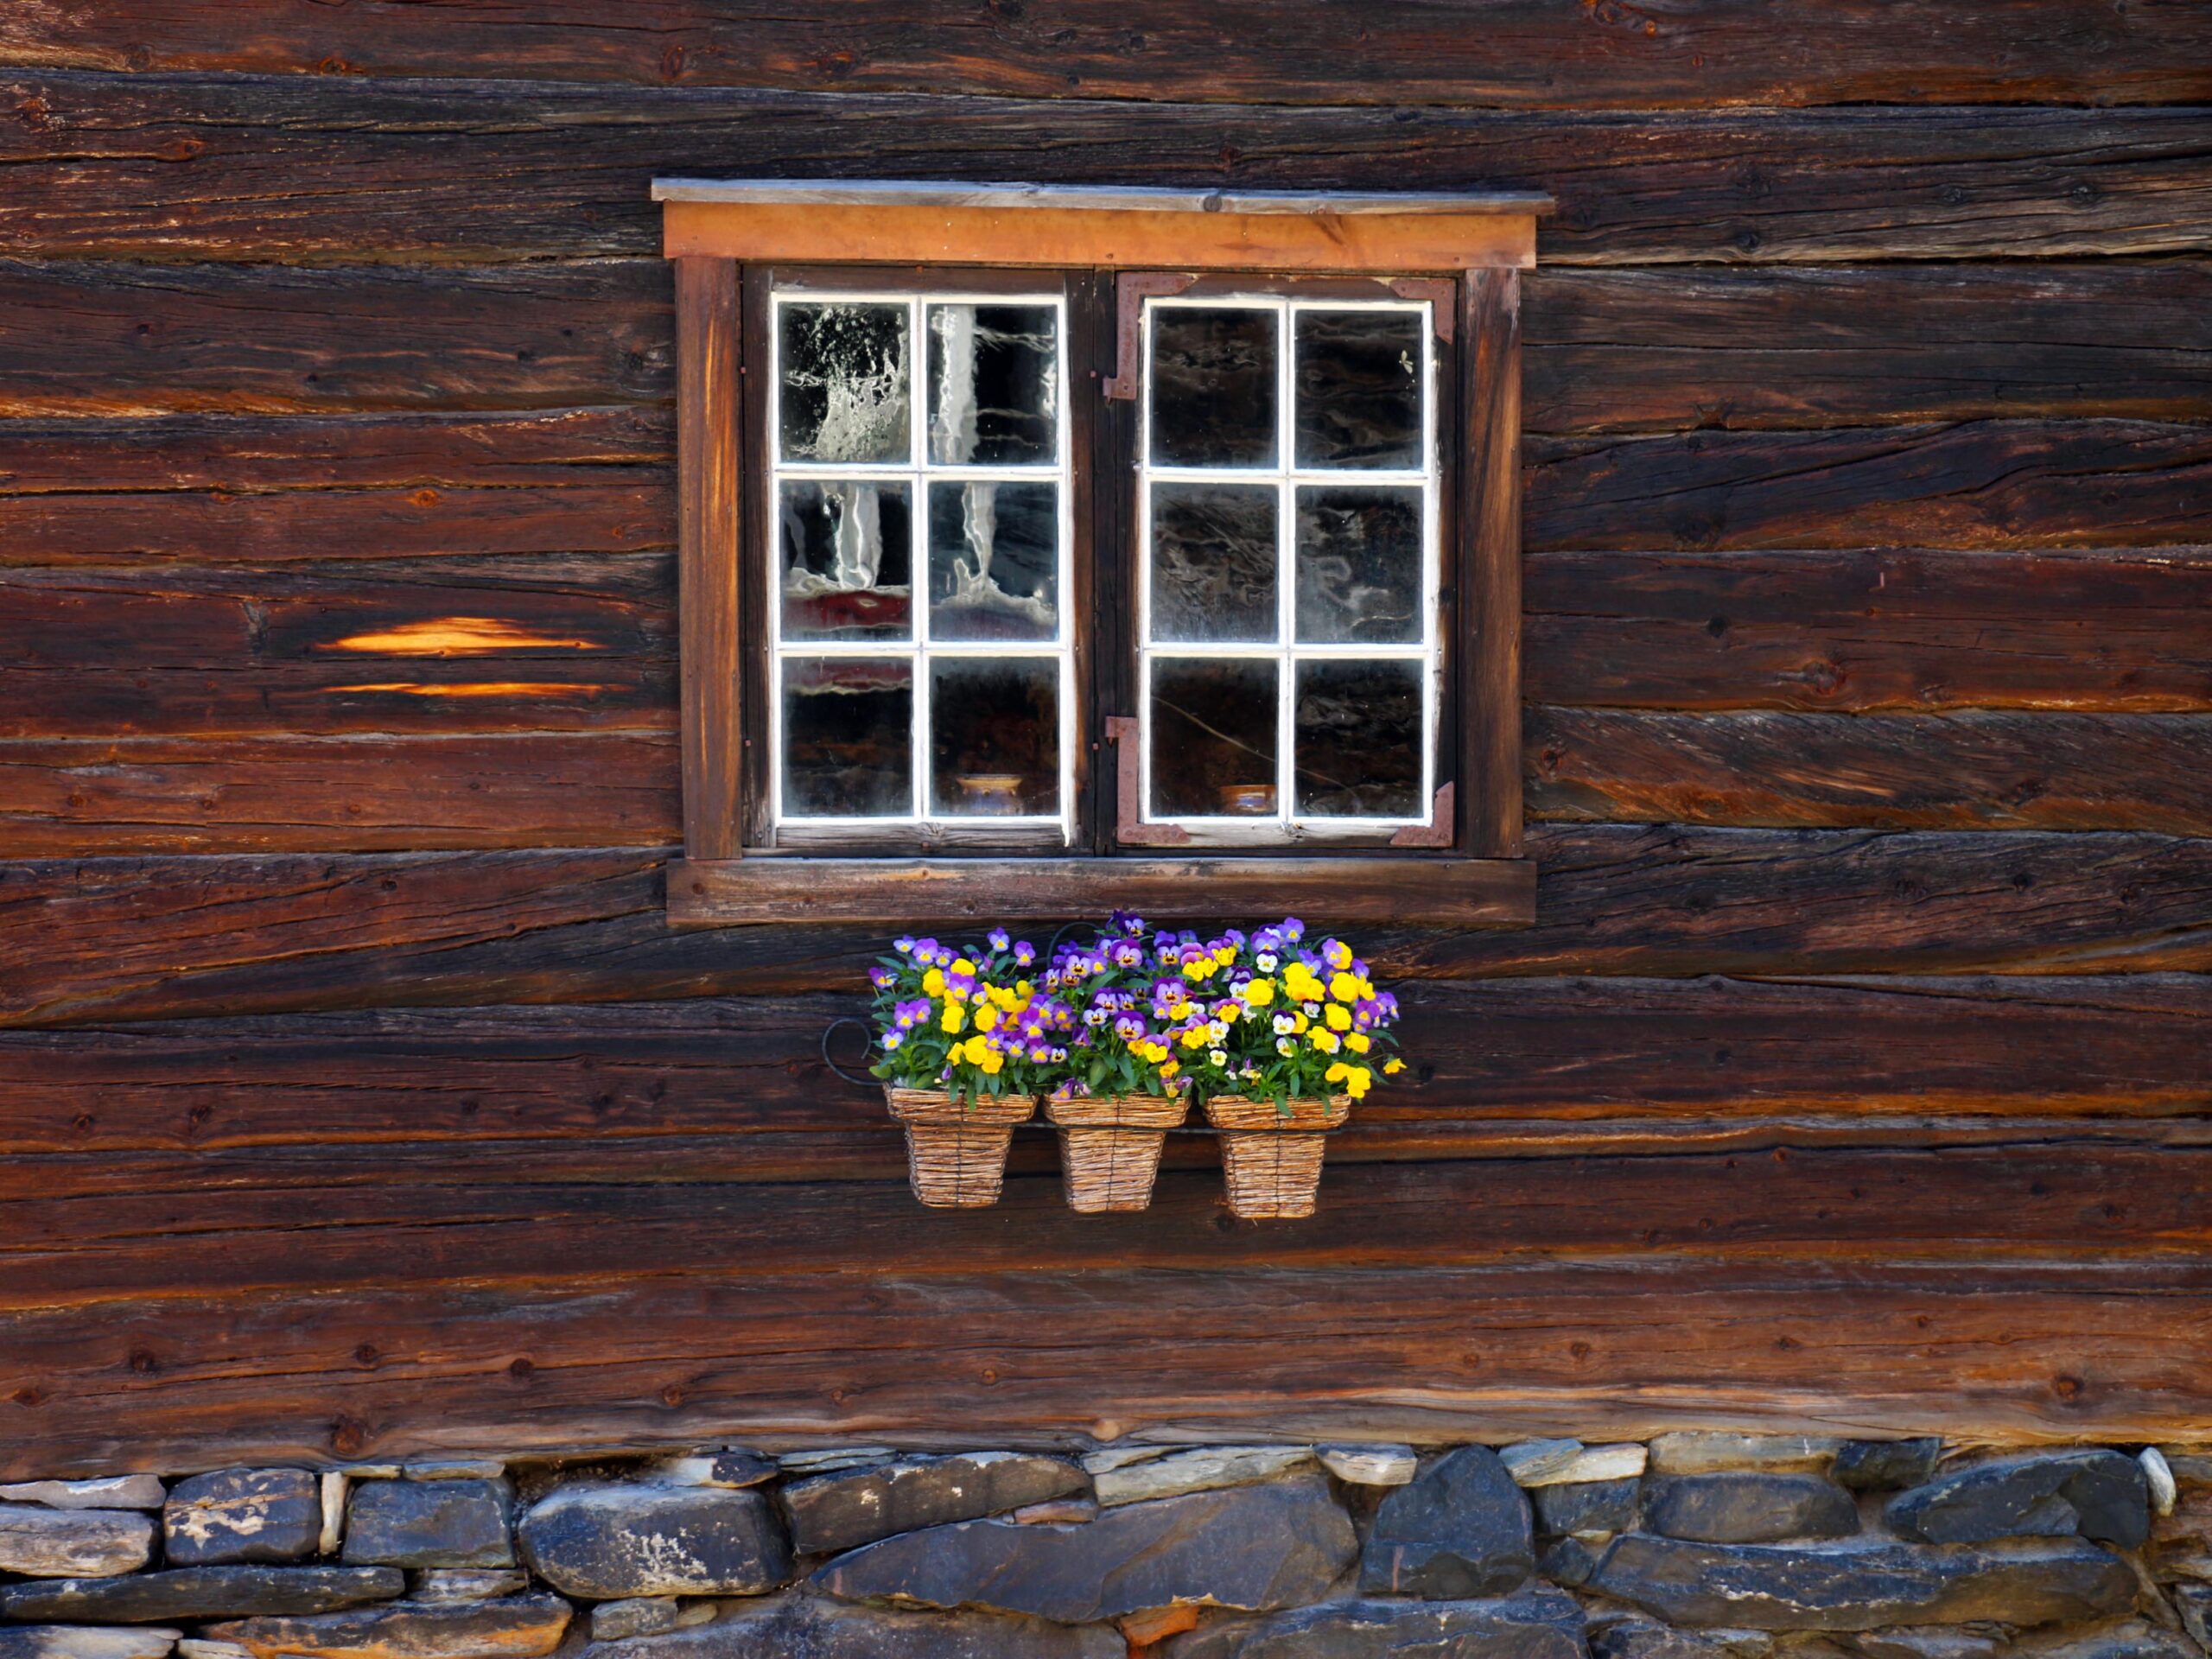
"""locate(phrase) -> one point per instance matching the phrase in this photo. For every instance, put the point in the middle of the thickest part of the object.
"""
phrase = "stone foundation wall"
(1697, 1546)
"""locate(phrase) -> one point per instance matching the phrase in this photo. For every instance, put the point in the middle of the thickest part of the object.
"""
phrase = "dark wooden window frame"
(729, 241)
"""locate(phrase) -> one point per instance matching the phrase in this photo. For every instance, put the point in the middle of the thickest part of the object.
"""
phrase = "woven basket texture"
(1271, 1155)
(956, 1150)
(1110, 1147)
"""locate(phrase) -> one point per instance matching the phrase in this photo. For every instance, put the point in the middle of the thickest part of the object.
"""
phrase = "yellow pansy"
(1258, 993)
(933, 981)
(1328, 1041)
(956, 1018)
(961, 965)
(1392, 1067)
(1345, 988)
(1357, 1041)
(987, 1018)
(1338, 1016)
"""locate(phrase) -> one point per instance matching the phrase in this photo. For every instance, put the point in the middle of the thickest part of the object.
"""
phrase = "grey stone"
(461, 1523)
(1120, 1457)
(822, 1459)
(2181, 1543)
(608, 1542)
(734, 1467)
(2128, 1639)
(1646, 1638)
(191, 1647)
(197, 1593)
(456, 1469)
(331, 1487)
(1782, 1587)
(1884, 1465)
(1461, 1529)
(1255, 1547)
(2159, 1475)
(1201, 1469)
(1748, 1508)
(450, 1584)
(2096, 1493)
(108, 1492)
(1057, 1512)
(1369, 1466)
(1623, 1461)
(2194, 1602)
(1532, 1463)
(43, 1543)
(1928, 1642)
(243, 1515)
(1589, 1506)
(1704, 1452)
(842, 1512)
(793, 1626)
(1539, 1623)
(1569, 1561)
(84, 1642)
(515, 1627)
(617, 1621)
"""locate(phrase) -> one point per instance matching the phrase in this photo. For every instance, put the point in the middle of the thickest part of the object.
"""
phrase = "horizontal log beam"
(1521, 54)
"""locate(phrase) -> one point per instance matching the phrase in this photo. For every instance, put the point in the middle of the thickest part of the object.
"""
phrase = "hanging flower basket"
(957, 1149)
(1109, 1146)
(1271, 1153)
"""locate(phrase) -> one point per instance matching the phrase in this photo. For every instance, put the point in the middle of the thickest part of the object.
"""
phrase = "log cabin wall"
(357, 1098)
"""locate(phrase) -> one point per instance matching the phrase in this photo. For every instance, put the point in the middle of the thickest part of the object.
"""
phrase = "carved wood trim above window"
(965, 258)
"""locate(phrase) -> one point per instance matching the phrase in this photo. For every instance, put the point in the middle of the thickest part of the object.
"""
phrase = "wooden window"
(1047, 550)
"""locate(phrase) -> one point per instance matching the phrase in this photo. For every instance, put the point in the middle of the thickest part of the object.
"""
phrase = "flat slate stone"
(43, 1543)
(1928, 1641)
(2132, 1639)
(1587, 1506)
(2097, 1494)
(1120, 1457)
(1588, 1466)
(823, 1457)
(109, 1492)
(455, 1468)
(1748, 1508)
(2181, 1543)
(1539, 1623)
(2194, 1602)
(608, 1542)
(1704, 1452)
(617, 1621)
(1257, 1548)
(517, 1627)
(734, 1467)
(84, 1642)
(1460, 1530)
(1781, 1587)
(1646, 1638)
(843, 1511)
(445, 1584)
(460, 1522)
(1057, 1512)
(1884, 1465)
(1569, 1561)
(197, 1593)
(243, 1515)
(1369, 1466)
(1201, 1469)
(805, 1627)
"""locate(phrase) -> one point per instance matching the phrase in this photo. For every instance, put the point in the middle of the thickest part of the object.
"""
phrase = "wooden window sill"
(1439, 892)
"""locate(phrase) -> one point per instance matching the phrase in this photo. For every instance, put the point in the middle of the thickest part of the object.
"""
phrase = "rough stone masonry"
(1695, 1546)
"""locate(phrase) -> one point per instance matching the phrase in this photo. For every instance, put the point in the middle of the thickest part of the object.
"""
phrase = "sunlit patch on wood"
(446, 636)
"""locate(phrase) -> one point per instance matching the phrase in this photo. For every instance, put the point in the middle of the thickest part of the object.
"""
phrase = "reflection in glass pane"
(1213, 738)
(1359, 739)
(1358, 389)
(847, 737)
(994, 385)
(847, 558)
(1213, 386)
(1359, 565)
(995, 737)
(994, 559)
(844, 394)
(1213, 562)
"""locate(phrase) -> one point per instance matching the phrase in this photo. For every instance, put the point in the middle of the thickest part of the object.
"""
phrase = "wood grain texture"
(1885, 629)
(1887, 771)
(85, 797)
(1628, 350)
(1516, 53)
(713, 461)
(1487, 491)
(1980, 484)
(106, 338)
(2071, 1352)
(173, 937)
(343, 171)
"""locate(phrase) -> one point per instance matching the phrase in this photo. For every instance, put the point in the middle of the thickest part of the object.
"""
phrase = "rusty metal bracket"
(1131, 289)
(1442, 295)
(1129, 827)
(1439, 831)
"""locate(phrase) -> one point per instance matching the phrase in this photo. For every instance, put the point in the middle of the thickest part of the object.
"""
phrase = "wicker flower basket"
(956, 1149)
(1110, 1147)
(1271, 1155)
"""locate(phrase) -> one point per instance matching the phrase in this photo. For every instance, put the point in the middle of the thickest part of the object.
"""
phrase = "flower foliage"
(972, 1024)
(1265, 1016)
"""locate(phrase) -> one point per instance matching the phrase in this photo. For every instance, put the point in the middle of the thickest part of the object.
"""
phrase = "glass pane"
(994, 736)
(1213, 562)
(1359, 575)
(844, 394)
(994, 385)
(847, 557)
(1359, 739)
(994, 561)
(847, 737)
(1358, 378)
(1213, 386)
(1213, 738)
